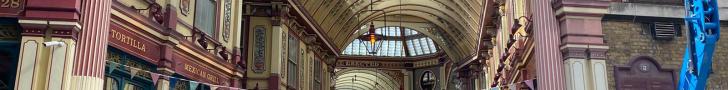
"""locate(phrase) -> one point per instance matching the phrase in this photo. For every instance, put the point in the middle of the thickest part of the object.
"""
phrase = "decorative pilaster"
(575, 67)
(582, 43)
(88, 70)
(549, 65)
(598, 66)
(162, 82)
(43, 67)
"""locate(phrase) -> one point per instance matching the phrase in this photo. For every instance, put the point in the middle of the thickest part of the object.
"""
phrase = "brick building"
(631, 34)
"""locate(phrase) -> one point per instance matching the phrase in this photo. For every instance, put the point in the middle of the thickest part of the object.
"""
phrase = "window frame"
(215, 20)
(292, 65)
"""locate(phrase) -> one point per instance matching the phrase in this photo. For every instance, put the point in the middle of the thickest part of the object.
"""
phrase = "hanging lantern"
(371, 40)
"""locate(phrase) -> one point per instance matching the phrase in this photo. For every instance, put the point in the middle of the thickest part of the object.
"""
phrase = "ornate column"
(547, 56)
(42, 67)
(582, 43)
(88, 69)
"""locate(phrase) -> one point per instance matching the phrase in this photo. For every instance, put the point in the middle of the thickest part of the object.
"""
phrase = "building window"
(110, 84)
(317, 75)
(205, 16)
(130, 86)
(179, 85)
(293, 52)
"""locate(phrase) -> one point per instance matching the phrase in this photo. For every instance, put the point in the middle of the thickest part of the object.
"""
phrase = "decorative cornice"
(574, 51)
(62, 29)
(598, 52)
(414, 58)
(279, 13)
(591, 8)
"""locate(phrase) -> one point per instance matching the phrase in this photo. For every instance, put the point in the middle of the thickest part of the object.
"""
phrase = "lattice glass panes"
(411, 50)
(425, 47)
(431, 44)
(392, 45)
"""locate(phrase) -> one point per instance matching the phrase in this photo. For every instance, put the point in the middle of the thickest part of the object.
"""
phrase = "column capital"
(277, 10)
(166, 71)
(62, 29)
(574, 51)
(589, 8)
(598, 52)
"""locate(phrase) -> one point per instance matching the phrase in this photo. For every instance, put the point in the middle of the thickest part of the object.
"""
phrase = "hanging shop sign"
(200, 72)
(11, 7)
(132, 43)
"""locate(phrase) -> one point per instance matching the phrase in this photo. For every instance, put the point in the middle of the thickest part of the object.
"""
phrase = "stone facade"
(628, 39)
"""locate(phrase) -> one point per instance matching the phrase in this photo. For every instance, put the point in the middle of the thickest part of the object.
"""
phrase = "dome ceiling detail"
(456, 21)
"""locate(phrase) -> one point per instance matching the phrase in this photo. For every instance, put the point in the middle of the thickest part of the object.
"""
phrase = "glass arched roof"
(394, 42)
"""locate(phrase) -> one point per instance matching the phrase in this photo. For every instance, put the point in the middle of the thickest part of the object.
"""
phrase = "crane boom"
(704, 31)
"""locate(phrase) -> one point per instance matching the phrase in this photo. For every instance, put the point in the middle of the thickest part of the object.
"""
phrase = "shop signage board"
(133, 43)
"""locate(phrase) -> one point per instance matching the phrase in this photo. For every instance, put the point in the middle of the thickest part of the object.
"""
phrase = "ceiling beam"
(314, 26)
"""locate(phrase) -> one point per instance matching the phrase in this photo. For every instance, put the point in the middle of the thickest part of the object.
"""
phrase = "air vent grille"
(664, 30)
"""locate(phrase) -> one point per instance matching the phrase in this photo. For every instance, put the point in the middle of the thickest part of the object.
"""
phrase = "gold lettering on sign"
(128, 40)
(201, 73)
(9, 3)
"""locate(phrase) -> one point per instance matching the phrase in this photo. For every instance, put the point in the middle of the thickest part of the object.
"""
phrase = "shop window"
(293, 52)
(130, 86)
(183, 85)
(110, 84)
(205, 16)
(119, 79)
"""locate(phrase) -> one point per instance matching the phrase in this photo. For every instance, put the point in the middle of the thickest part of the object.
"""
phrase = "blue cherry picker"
(704, 30)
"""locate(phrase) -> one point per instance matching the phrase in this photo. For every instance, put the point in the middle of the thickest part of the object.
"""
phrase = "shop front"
(10, 47)
(131, 60)
(188, 68)
(123, 72)
(139, 60)
(10, 35)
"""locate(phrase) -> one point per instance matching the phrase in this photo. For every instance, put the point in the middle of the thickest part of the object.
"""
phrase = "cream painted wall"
(183, 19)
(189, 18)
(29, 53)
(61, 61)
(43, 68)
(259, 78)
